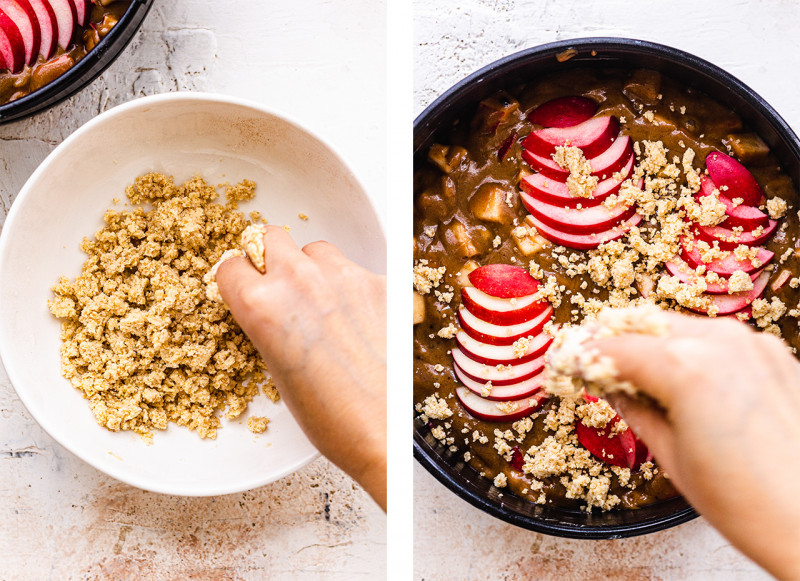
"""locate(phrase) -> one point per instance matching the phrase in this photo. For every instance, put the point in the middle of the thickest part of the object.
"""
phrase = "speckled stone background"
(321, 62)
(756, 40)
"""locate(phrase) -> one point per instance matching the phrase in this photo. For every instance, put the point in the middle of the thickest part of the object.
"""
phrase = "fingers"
(279, 248)
(325, 254)
(233, 277)
(650, 425)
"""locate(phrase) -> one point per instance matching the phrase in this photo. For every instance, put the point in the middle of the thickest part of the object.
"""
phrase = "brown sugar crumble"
(141, 339)
(257, 424)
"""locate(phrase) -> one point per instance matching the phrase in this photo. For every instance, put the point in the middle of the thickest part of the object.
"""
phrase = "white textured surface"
(322, 63)
(754, 40)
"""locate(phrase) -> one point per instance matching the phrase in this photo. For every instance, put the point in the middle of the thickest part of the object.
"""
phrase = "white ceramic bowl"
(182, 134)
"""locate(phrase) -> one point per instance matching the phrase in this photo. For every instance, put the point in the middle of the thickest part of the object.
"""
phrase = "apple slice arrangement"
(501, 381)
(564, 219)
(744, 224)
(33, 28)
(623, 449)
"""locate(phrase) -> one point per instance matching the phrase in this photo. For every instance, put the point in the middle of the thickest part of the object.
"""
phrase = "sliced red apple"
(23, 15)
(555, 192)
(723, 266)
(727, 304)
(583, 241)
(47, 27)
(728, 173)
(497, 374)
(525, 388)
(563, 112)
(593, 137)
(604, 165)
(728, 239)
(502, 354)
(487, 410)
(501, 311)
(577, 221)
(504, 281)
(687, 275)
(65, 23)
(80, 11)
(619, 450)
(485, 332)
(747, 217)
(12, 46)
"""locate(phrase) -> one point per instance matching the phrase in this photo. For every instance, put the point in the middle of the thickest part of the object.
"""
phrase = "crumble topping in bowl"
(141, 339)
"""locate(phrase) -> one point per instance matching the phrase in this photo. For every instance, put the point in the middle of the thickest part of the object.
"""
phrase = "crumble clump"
(142, 340)
(580, 183)
(257, 424)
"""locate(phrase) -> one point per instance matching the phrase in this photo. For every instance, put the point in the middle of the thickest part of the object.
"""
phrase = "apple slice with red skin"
(80, 11)
(624, 449)
(563, 112)
(687, 275)
(525, 388)
(747, 217)
(489, 354)
(728, 304)
(604, 165)
(578, 221)
(725, 171)
(48, 30)
(23, 15)
(485, 332)
(593, 137)
(583, 241)
(65, 23)
(728, 239)
(503, 281)
(487, 410)
(723, 266)
(501, 311)
(506, 375)
(12, 46)
(557, 193)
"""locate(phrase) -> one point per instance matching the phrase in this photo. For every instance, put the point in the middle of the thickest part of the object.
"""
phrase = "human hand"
(319, 322)
(725, 428)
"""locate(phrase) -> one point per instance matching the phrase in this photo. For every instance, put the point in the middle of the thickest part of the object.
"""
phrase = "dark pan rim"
(85, 71)
(426, 123)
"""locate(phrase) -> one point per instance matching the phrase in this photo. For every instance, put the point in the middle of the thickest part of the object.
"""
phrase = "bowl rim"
(124, 109)
(93, 64)
(423, 452)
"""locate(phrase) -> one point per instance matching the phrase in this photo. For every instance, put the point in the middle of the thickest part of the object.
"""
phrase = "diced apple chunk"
(419, 308)
(466, 242)
(492, 111)
(462, 276)
(528, 240)
(489, 204)
(644, 85)
(447, 157)
(748, 147)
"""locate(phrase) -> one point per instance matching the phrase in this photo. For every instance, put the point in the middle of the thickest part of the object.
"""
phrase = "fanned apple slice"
(604, 165)
(48, 30)
(487, 410)
(728, 304)
(485, 332)
(12, 47)
(64, 21)
(728, 173)
(497, 374)
(728, 239)
(551, 191)
(747, 217)
(563, 112)
(515, 391)
(687, 275)
(502, 354)
(593, 137)
(723, 266)
(619, 449)
(23, 15)
(501, 311)
(583, 241)
(577, 221)
(503, 281)
(80, 11)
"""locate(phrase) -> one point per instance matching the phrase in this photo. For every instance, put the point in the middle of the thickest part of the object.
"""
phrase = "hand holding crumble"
(319, 322)
(728, 428)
